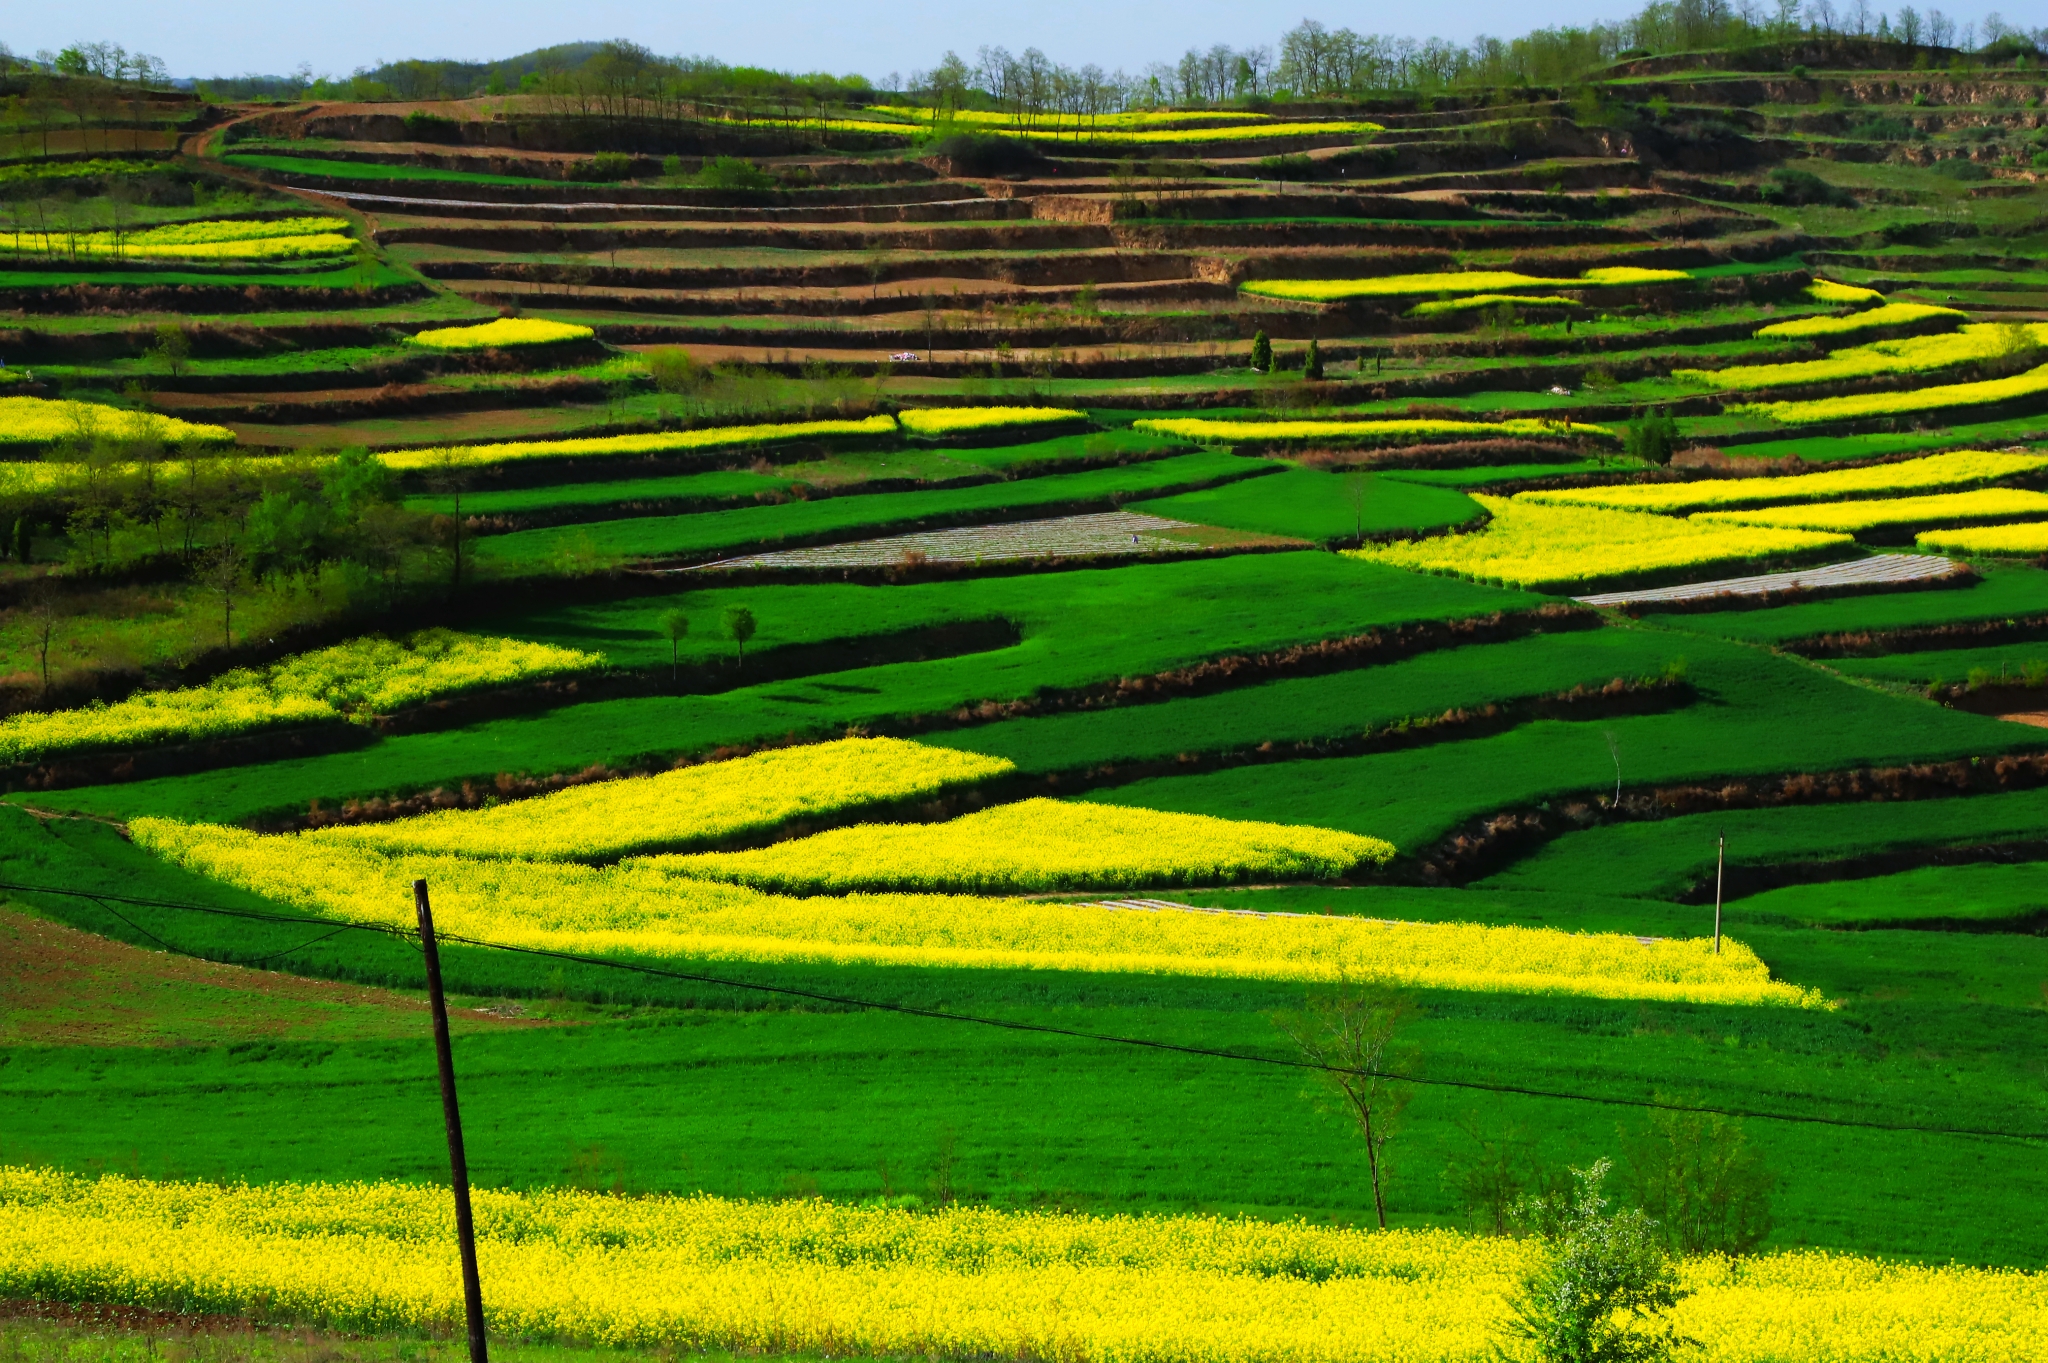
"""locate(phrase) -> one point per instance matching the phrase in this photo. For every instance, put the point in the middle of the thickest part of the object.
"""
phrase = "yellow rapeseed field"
(698, 1273)
(1042, 845)
(37, 421)
(367, 676)
(1994, 540)
(505, 331)
(1452, 281)
(947, 420)
(1959, 469)
(691, 806)
(1954, 508)
(1828, 291)
(2033, 383)
(642, 907)
(1364, 432)
(652, 442)
(1438, 306)
(1890, 315)
(1915, 355)
(1548, 548)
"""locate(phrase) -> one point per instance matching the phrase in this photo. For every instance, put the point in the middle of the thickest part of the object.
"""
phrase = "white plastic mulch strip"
(1109, 532)
(1889, 570)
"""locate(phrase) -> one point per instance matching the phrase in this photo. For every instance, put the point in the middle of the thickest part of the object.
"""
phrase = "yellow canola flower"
(1130, 118)
(654, 442)
(1958, 469)
(946, 420)
(1438, 306)
(691, 806)
(1451, 281)
(1890, 315)
(503, 331)
(1205, 428)
(372, 675)
(1984, 504)
(1552, 548)
(1828, 291)
(35, 421)
(638, 907)
(1042, 845)
(234, 239)
(2030, 384)
(1996, 540)
(230, 705)
(379, 675)
(810, 1277)
(1919, 354)
(241, 229)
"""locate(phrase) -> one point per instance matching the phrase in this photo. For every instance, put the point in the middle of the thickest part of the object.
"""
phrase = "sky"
(237, 37)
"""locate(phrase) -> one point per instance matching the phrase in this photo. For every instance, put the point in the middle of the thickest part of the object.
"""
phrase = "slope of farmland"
(805, 572)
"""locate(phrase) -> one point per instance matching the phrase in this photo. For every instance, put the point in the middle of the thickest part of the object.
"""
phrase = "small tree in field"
(1354, 493)
(675, 626)
(739, 627)
(1350, 1032)
(1262, 353)
(173, 348)
(1312, 367)
(1698, 1175)
(1603, 1290)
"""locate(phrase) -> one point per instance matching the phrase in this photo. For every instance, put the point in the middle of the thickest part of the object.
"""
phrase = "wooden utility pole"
(458, 1164)
(1720, 866)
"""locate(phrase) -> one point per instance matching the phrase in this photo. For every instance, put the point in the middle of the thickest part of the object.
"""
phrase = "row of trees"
(1317, 62)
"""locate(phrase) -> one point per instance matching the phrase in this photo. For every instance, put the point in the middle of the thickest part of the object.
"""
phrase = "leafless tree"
(1350, 1030)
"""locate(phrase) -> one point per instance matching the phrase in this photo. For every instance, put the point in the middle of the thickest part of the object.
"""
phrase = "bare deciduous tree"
(1350, 1030)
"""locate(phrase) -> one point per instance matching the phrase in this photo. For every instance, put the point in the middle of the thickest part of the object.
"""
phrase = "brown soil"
(63, 987)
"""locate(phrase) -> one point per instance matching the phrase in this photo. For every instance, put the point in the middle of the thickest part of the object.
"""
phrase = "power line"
(1009, 1024)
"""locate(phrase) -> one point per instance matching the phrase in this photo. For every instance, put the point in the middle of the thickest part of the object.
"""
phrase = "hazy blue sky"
(874, 37)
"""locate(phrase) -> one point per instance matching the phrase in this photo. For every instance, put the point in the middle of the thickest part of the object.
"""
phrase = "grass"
(368, 170)
(2008, 663)
(835, 472)
(1666, 857)
(1313, 505)
(718, 533)
(336, 279)
(1339, 706)
(1076, 629)
(2007, 591)
(1987, 896)
(32, 1334)
(851, 1105)
(1758, 714)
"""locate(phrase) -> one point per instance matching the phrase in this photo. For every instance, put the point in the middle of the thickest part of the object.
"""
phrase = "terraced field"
(1571, 557)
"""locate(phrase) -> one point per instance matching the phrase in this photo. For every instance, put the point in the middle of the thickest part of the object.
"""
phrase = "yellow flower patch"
(1038, 845)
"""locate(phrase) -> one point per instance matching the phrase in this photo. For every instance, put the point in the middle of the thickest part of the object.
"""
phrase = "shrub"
(1960, 168)
(1800, 187)
(1652, 437)
(1603, 1294)
(422, 126)
(608, 165)
(1312, 363)
(987, 154)
(1262, 353)
(675, 370)
(734, 172)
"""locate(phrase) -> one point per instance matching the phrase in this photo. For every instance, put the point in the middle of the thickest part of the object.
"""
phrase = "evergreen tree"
(1262, 353)
(1312, 367)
